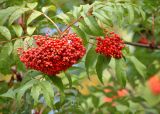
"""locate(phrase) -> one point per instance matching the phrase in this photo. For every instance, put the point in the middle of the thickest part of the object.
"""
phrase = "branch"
(59, 31)
(75, 21)
(142, 45)
(13, 39)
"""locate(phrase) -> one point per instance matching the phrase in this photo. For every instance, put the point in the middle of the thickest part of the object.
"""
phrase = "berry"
(143, 40)
(51, 56)
(154, 85)
(110, 46)
(120, 93)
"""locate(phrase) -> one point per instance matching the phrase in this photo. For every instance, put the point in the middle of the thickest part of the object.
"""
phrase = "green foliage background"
(66, 93)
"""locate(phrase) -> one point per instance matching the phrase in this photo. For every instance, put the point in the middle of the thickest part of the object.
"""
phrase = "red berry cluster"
(110, 46)
(154, 84)
(53, 55)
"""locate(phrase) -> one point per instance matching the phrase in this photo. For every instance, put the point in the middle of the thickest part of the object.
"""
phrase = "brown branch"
(153, 27)
(142, 45)
(59, 31)
(75, 21)
(13, 39)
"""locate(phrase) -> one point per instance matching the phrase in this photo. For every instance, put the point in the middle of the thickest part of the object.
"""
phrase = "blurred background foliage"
(25, 91)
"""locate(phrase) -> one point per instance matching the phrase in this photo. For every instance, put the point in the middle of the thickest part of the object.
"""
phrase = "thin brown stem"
(75, 21)
(153, 27)
(59, 31)
(13, 39)
(142, 45)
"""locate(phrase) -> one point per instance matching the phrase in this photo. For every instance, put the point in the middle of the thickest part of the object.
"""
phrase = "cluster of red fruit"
(154, 84)
(110, 46)
(120, 93)
(51, 56)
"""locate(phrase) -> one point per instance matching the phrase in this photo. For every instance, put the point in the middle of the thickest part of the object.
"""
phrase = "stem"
(13, 39)
(75, 21)
(153, 27)
(142, 45)
(59, 31)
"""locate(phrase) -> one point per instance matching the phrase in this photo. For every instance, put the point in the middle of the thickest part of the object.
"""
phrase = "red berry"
(51, 56)
(110, 46)
(154, 84)
(143, 40)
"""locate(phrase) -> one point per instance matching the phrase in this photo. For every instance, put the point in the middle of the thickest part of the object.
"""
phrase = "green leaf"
(142, 13)
(80, 33)
(6, 49)
(141, 68)
(95, 101)
(18, 44)
(65, 18)
(130, 13)
(20, 91)
(18, 30)
(90, 59)
(101, 17)
(5, 32)
(85, 9)
(76, 11)
(28, 42)
(48, 8)
(120, 71)
(93, 25)
(138, 99)
(33, 16)
(47, 92)
(10, 94)
(32, 5)
(16, 14)
(84, 27)
(69, 79)
(102, 63)
(35, 92)
(7, 62)
(2, 1)
(30, 30)
(58, 82)
(5, 13)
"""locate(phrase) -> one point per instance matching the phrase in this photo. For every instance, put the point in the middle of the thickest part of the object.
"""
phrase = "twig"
(75, 21)
(153, 27)
(13, 39)
(59, 31)
(142, 45)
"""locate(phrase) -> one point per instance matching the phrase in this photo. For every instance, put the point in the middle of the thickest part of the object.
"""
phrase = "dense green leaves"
(30, 30)
(5, 32)
(48, 8)
(141, 68)
(18, 30)
(17, 14)
(33, 16)
(102, 63)
(93, 25)
(5, 13)
(80, 33)
(6, 50)
(68, 92)
(90, 59)
(10, 94)
(120, 71)
(32, 5)
(35, 92)
(48, 92)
